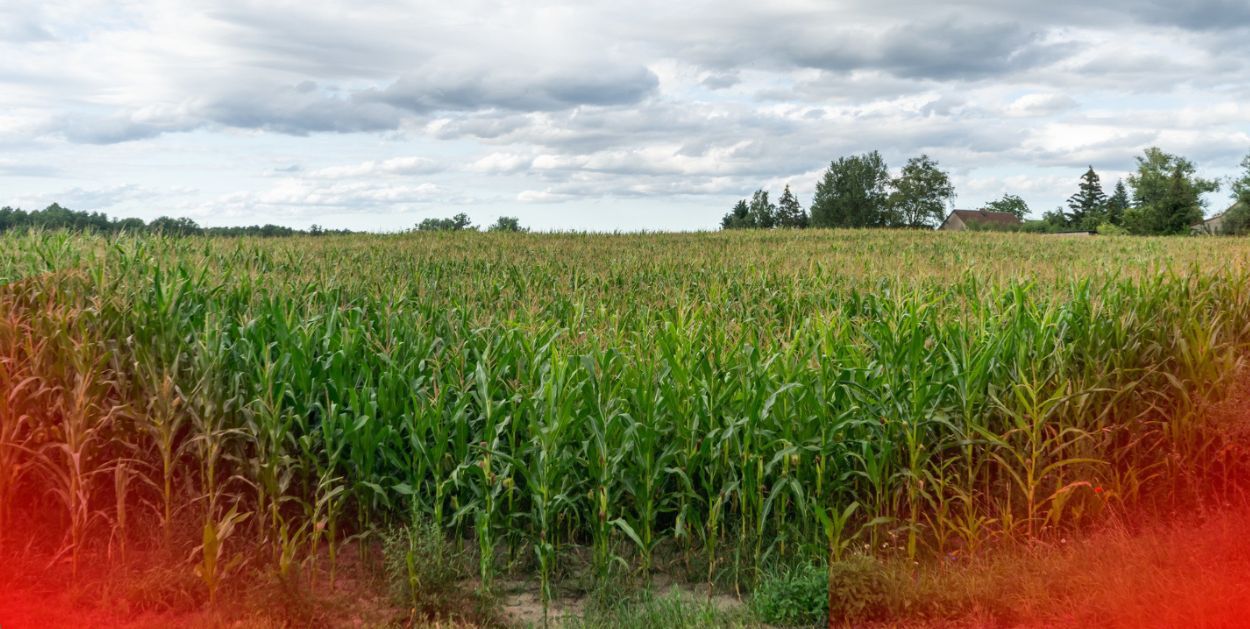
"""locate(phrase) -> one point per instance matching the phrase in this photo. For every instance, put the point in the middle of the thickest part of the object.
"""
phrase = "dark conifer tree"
(1087, 208)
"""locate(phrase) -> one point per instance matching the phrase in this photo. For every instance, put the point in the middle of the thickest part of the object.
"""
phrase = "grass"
(674, 608)
(720, 402)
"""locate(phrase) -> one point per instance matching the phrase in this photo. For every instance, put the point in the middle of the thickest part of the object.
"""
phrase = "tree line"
(55, 217)
(1162, 196)
(856, 191)
(462, 222)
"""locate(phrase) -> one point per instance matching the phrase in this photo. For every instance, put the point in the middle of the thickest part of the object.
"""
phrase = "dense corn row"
(726, 399)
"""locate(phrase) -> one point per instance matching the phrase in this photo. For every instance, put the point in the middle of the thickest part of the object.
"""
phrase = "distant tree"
(1118, 204)
(1237, 218)
(854, 192)
(507, 224)
(1240, 187)
(130, 225)
(175, 226)
(13, 218)
(789, 213)
(739, 217)
(921, 194)
(763, 213)
(1010, 204)
(1167, 194)
(1055, 220)
(57, 217)
(316, 230)
(269, 230)
(1088, 207)
(459, 222)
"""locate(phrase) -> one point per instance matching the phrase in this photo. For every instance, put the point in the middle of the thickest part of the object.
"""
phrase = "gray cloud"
(1201, 15)
(593, 100)
(938, 51)
(298, 110)
(721, 80)
(116, 128)
(22, 22)
(455, 91)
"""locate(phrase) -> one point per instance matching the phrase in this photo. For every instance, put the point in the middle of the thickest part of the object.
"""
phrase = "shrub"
(796, 596)
(858, 589)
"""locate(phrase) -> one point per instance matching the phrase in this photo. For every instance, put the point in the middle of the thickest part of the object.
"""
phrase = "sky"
(594, 115)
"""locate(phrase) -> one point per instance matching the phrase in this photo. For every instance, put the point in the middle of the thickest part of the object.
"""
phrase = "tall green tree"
(1240, 186)
(459, 222)
(739, 217)
(854, 192)
(1010, 204)
(789, 212)
(763, 212)
(507, 224)
(1118, 204)
(1167, 194)
(1088, 207)
(181, 226)
(921, 194)
(1237, 217)
(1055, 220)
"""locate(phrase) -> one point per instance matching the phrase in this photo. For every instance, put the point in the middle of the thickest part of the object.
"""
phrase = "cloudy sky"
(374, 114)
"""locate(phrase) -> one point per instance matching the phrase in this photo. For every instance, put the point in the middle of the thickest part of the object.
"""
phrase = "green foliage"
(673, 610)
(55, 217)
(759, 213)
(921, 194)
(854, 192)
(762, 213)
(509, 224)
(857, 191)
(1111, 229)
(1055, 221)
(858, 589)
(739, 217)
(1118, 204)
(1167, 195)
(1241, 185)
(422, 566)
(1237, 217)
(181, 226)
(1010, 204)
(789, 212)
(1088, 207)
(459, 222)
(796, 596)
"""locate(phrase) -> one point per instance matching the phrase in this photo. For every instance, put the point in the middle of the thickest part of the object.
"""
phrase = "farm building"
(961, 220)
(1212, 225)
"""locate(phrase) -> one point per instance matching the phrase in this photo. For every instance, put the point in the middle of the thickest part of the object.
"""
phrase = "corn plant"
(736, 399)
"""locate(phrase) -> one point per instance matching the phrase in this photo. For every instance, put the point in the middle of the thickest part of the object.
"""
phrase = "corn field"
(635, 402)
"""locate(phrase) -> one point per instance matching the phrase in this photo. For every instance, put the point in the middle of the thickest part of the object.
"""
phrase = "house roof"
(985, 217)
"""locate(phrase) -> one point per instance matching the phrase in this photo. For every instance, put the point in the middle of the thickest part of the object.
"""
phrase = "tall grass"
(722, 400)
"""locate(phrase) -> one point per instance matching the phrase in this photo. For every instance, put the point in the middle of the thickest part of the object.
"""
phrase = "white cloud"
(395, 166)
(385, 106)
